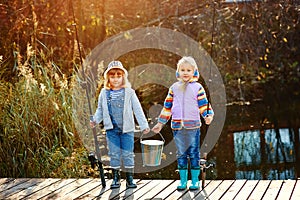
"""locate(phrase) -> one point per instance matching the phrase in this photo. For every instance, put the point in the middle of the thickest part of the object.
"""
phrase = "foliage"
(255, 44)
(36, 119)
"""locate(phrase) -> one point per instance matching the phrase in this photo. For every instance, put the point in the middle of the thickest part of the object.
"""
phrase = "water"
(273, 150)
(256, 143)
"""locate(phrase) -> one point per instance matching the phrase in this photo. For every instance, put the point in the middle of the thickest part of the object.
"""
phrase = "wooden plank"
(94, 183)
(221, 189)
(286, 189)
(176, 194)
(234, 189)
(130, 193)
(191, 194)
(61, 192)
(5, 180)
(209, 188)
(273, 190)
(68, 189)
(259, 190)
(124, 192)
(19, 187)
(246, 190)
(157, 189)
(139, 194)
(30, 190)
(13, 183)
(167, 191)
(96, 192)
(296, 191)
(112, 193)
(47, 190)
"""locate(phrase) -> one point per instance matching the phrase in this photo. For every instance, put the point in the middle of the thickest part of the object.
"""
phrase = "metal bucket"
(152, 151)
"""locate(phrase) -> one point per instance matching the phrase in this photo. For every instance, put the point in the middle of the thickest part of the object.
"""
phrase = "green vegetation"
(256, 47)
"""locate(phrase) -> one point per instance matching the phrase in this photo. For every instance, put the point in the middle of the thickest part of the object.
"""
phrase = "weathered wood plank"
(30, 190)
(19, 187)
(286, 189)
(132, 193)
(234, 189)
(9, 184)
(140, 194)
(273, 190)
(5, 180)
(246, 190)
(259, 190)
(167, 191)
(175, 194)
(112, 193)
(209, 188)
(94, 183)
(158, 188)
(96, 192)
(221, 189)
(191, 194)
(47, 190)
(296, 191)
(61, 192)
(68, 189)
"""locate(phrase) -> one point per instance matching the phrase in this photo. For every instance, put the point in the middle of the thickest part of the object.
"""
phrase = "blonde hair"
(116, 71)
(188, 60)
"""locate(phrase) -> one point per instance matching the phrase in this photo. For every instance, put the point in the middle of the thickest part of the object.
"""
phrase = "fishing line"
(97, 146)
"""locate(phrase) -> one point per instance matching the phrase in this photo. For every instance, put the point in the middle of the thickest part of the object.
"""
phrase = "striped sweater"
(185, 102)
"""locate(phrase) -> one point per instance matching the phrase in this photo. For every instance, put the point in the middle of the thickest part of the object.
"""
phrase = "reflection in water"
(272, 148)
(279, 146)
(246, 146)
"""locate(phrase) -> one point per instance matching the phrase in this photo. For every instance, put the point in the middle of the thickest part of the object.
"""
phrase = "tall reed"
(37, 134)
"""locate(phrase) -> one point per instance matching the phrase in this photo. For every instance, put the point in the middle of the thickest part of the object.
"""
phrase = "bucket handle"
(158, 133)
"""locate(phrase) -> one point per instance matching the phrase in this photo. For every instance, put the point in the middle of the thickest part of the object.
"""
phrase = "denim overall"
(120, 145)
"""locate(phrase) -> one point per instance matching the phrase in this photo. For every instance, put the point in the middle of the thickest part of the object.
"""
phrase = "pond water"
(253, 145)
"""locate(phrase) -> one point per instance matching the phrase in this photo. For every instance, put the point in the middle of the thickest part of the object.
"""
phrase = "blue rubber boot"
(183, 173)
(195, 179)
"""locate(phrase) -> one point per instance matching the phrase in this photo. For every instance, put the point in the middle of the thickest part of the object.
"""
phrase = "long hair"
(119, 72)
(189, 60)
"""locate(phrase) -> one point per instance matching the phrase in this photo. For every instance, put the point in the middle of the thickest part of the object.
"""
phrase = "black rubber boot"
(116, 179)
(129, 179)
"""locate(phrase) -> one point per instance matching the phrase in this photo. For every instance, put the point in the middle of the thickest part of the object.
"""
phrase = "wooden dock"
(52, 188)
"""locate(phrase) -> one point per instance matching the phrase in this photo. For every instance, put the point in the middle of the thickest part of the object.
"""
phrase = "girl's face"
(116, 79)
(186, 72)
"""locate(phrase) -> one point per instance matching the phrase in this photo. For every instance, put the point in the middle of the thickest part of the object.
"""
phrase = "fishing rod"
(203, 162)
(97, 146)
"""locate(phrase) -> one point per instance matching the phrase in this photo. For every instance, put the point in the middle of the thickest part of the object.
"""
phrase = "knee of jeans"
(127, 154)
(114, 155)
(181, 154)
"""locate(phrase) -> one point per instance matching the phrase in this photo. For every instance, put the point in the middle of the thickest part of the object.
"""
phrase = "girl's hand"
(157, 127)
(146, 131)
(208, 119)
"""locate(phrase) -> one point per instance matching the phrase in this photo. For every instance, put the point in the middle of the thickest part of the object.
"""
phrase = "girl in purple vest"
(185, 102)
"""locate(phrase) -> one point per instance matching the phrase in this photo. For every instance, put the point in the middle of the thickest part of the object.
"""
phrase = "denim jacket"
(132, 107)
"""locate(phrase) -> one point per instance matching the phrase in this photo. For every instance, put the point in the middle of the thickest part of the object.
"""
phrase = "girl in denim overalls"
(117, 103)
(185, 102)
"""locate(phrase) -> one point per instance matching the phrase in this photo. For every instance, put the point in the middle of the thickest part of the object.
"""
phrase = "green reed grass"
(37, 134)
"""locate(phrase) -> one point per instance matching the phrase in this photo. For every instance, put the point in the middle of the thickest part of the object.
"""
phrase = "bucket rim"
(158, 142)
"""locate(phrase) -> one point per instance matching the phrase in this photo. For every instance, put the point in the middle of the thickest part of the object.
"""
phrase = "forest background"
(255, 46)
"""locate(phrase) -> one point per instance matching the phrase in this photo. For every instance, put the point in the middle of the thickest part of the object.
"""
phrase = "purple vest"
(185, 103)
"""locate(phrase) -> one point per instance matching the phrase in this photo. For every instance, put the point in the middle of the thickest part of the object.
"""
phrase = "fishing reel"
(93, 160)
(204, 164)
